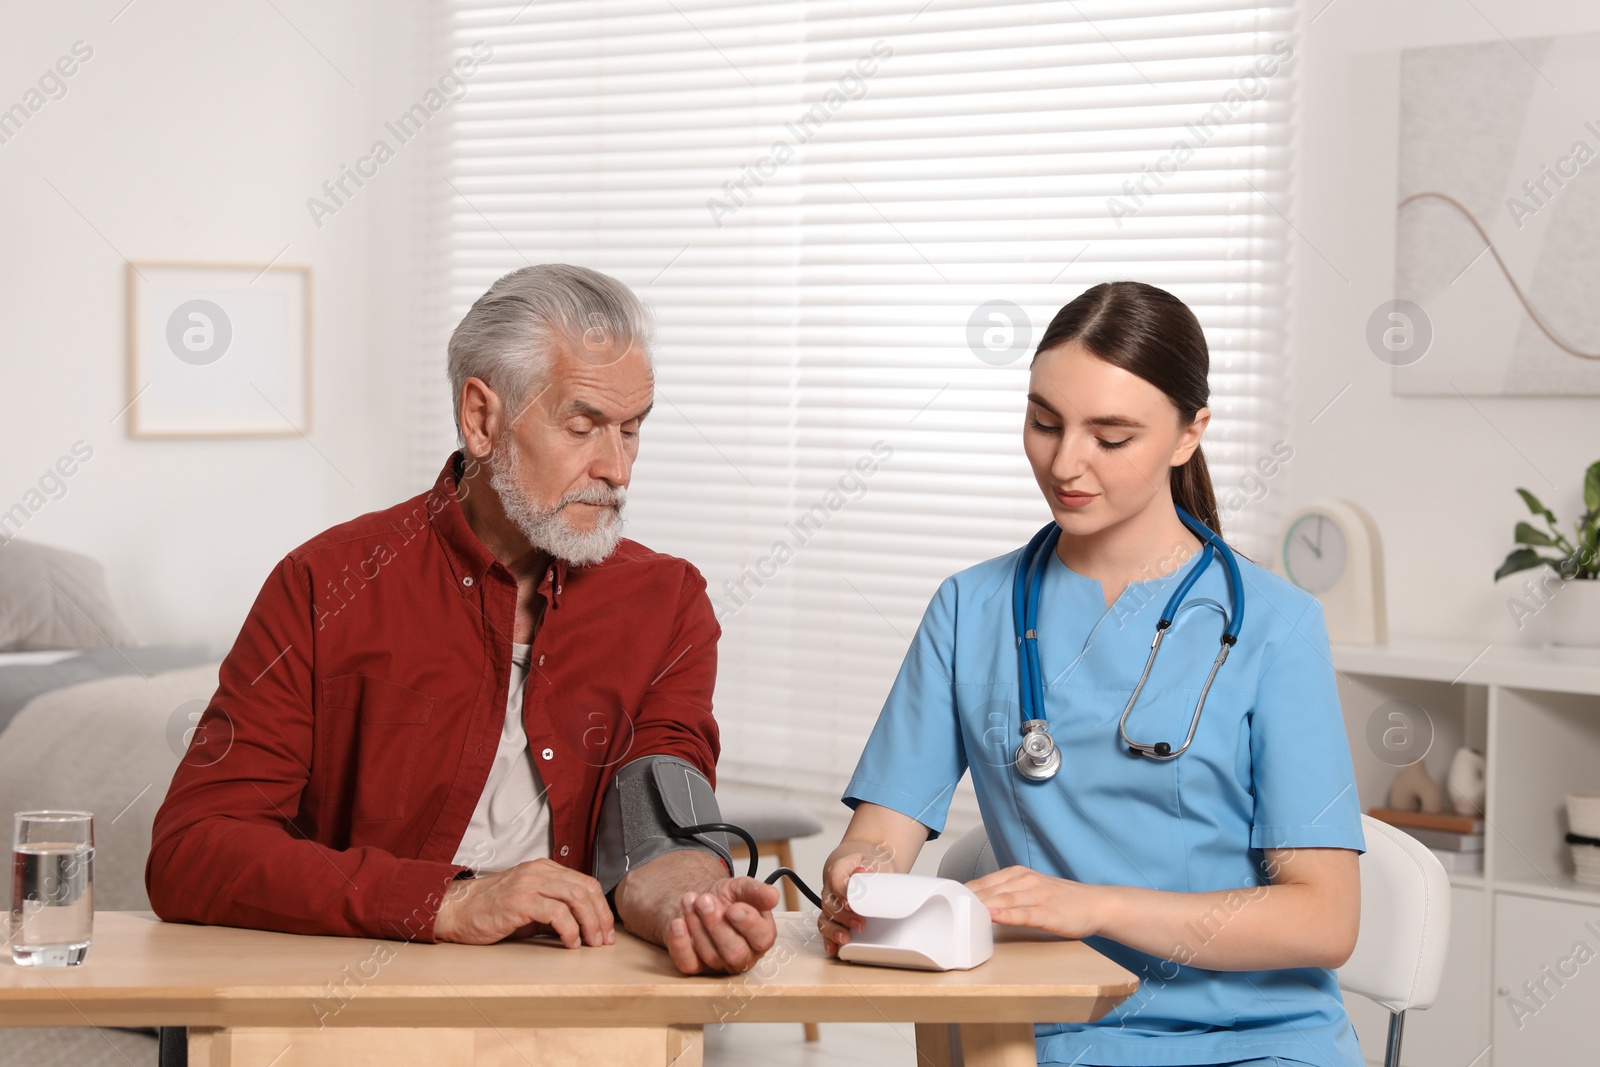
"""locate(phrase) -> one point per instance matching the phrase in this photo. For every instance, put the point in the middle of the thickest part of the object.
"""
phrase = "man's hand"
(531, 898)
(725, 929)
(707, 921)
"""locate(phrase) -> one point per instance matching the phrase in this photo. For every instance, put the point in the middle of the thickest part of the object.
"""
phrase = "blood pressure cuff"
(645, 807)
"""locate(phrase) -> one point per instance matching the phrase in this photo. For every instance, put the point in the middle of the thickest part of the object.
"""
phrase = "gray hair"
(507, 337)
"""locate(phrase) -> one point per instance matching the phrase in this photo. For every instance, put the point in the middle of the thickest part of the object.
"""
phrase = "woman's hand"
(877, 839)
(837, 920)
(1021, 896)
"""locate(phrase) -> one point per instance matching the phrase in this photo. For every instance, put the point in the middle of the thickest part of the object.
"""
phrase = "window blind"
(851, 220)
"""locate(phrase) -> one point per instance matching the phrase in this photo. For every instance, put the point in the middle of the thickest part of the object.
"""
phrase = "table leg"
(685, 1046)
(204, 1050)
(360, 1046)
(998, 1045)
(938, 1045)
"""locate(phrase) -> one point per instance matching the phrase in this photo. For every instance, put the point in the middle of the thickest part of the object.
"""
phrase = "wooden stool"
(773, 824)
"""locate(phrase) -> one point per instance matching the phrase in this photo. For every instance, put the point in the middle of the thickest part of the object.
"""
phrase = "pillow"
(52, 598)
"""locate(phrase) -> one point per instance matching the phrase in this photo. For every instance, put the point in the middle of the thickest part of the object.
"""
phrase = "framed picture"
(218, 350)
(1496, 223)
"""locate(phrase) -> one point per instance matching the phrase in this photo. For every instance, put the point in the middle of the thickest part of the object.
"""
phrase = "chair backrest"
(1405, 921)
(1405, 913)
(969, 857)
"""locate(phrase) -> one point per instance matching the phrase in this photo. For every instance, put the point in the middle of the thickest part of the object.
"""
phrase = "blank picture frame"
(218, 350)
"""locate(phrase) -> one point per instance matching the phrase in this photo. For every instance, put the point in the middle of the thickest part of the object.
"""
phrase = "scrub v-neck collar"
(1100, 590)
(1086, 584)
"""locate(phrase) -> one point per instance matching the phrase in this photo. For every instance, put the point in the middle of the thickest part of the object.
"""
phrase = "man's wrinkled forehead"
(582, 405)
(621, 389)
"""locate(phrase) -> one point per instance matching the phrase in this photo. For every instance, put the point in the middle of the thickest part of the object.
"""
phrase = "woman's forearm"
(883, 838)
(1258, 928)
(1307, 917)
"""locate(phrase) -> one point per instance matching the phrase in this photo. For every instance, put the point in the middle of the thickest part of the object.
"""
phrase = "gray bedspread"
(20, 683)
(107, 746)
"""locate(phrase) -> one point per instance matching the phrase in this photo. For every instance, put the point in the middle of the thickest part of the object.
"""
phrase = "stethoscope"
(1038, 758)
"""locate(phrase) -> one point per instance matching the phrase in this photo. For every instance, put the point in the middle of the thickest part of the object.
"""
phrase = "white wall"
(1437, 475)
(196, 131)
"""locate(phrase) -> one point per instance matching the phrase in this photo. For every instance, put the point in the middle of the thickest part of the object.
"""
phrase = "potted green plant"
(1572, 594)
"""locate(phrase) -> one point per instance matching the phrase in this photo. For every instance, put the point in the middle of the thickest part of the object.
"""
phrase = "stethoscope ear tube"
(1037, 757)
(1161, 750)
(1020, 587)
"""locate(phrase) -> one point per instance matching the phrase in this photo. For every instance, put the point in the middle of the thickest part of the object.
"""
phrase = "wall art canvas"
(1497, 256)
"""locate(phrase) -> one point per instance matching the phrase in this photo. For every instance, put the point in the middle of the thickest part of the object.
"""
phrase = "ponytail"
(1191, 490)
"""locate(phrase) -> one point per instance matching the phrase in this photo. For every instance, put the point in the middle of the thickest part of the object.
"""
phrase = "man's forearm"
(647, 898)
(236, 872)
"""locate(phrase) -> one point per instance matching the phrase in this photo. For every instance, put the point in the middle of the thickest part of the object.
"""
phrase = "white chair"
(968, 857)
(1405, 928)
(1405, 919)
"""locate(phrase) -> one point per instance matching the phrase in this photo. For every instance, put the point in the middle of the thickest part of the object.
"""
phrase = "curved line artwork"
(1516, 289)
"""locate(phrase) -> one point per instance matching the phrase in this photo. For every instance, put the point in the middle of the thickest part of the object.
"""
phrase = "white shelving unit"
(1522, 985)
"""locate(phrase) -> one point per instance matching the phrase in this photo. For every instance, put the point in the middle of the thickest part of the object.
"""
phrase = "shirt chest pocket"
(379, 730)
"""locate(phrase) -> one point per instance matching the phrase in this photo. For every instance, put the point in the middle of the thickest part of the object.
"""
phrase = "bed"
(89, 720)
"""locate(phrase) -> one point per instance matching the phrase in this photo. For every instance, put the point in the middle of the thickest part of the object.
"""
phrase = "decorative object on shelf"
(1467, 781)
(1570, 589)
(1456, 839)
(1583, 814)
(218, 350)
(1583, 838)
(1585, 858)
(1332, 550)
(1459, 861)
(1414, 790)
(1443, 840)
(1429, 820)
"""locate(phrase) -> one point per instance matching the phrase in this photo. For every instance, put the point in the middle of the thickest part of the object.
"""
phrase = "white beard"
(549, 528)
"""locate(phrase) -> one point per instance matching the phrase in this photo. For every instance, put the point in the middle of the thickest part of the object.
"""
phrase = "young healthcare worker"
(1222, 874)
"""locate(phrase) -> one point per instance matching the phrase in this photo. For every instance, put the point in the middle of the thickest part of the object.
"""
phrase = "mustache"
(611, 496)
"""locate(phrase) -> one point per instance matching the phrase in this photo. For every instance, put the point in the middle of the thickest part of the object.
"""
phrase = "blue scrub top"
(1269, 768)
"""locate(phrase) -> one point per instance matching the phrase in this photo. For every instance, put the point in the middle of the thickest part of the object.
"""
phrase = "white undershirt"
(511, 823)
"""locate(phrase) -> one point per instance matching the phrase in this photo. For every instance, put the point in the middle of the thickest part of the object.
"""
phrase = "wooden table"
(251, 998)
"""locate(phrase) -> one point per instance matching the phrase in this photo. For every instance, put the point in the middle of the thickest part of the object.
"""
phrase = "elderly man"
(442, 721)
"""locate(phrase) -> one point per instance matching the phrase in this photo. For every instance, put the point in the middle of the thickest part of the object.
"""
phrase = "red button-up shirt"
(331, 778)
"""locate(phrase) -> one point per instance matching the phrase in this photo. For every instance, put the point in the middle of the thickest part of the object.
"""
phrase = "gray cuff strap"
(646, 804)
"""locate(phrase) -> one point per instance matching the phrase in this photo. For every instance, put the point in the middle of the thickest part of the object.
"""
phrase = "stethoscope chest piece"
(1037, 757)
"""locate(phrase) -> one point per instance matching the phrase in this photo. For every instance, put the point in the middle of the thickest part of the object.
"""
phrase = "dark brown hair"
(1151, 333)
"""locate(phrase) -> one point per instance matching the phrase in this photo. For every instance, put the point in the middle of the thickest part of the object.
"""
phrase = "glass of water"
(52, 888)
